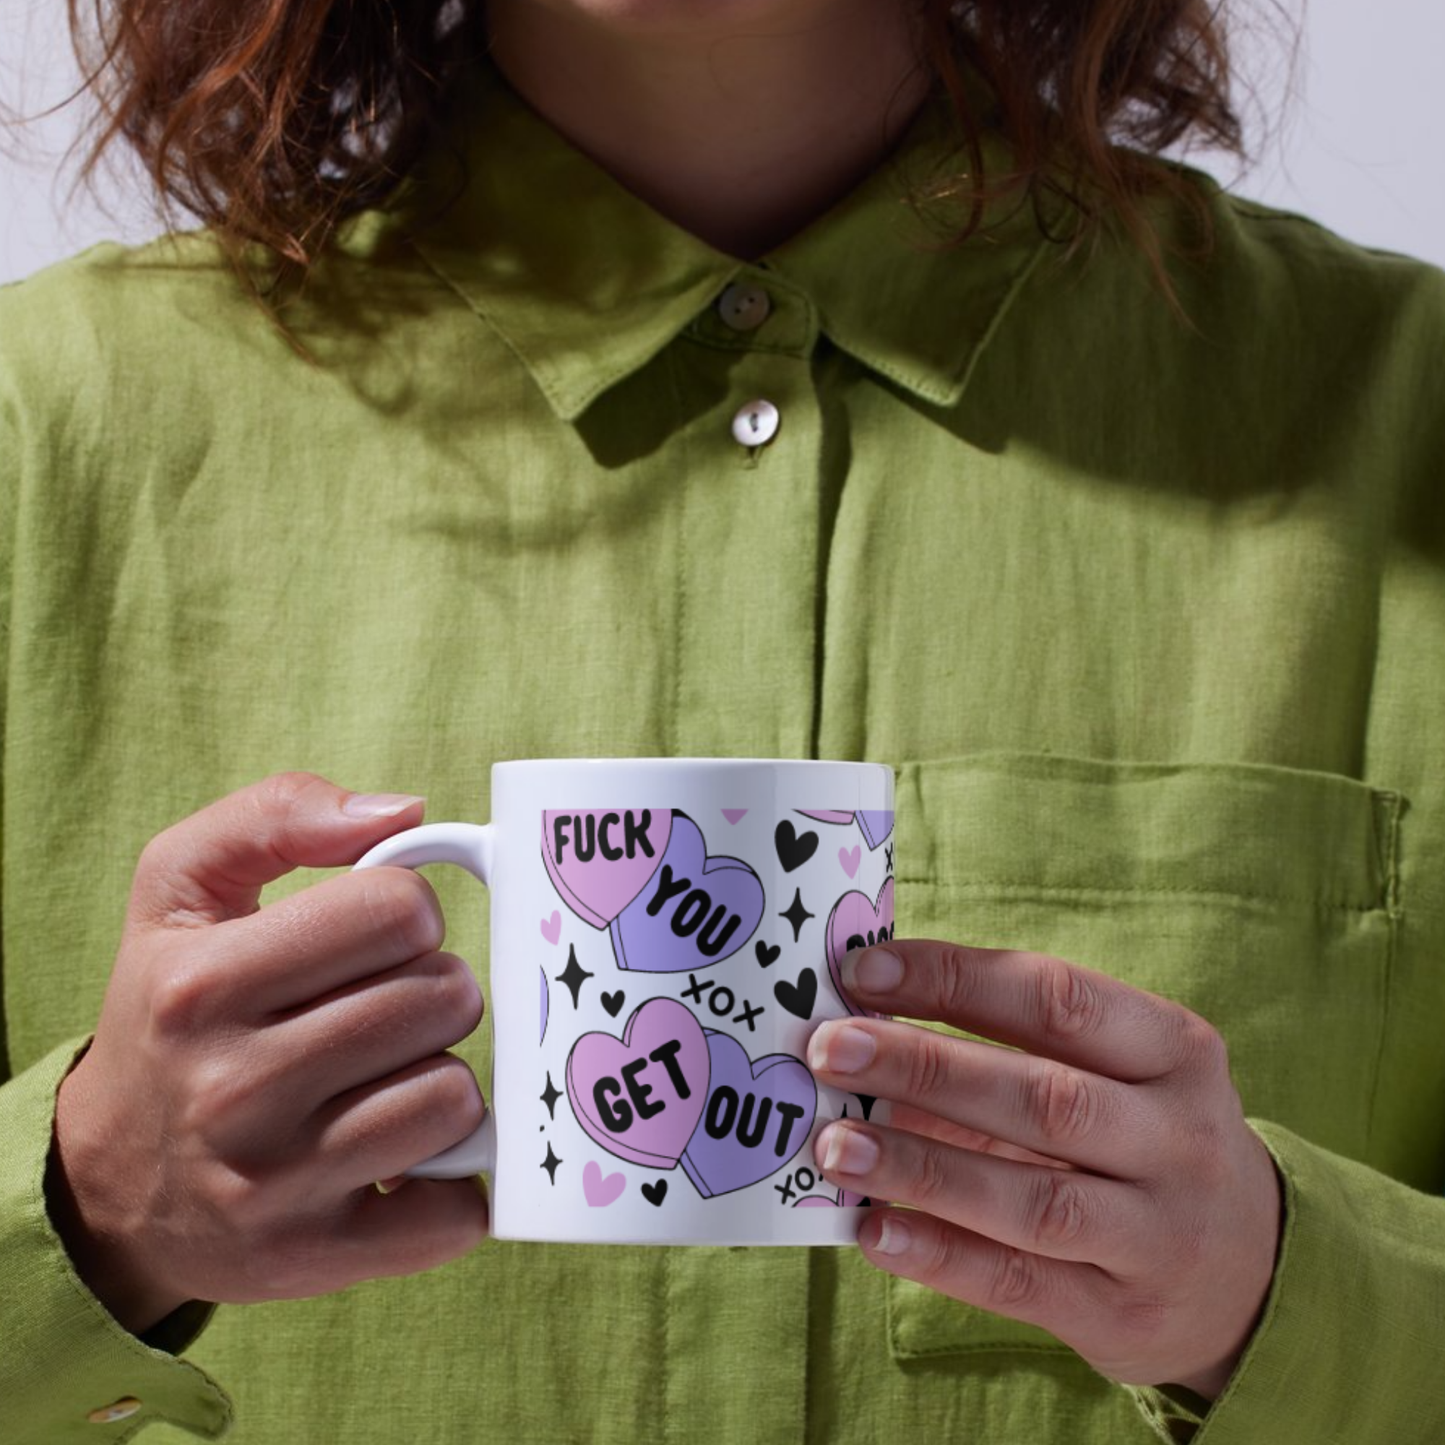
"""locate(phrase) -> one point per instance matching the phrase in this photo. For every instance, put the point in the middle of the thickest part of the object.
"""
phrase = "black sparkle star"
(550, 1095)
(550, 1164)
(573, 975)
(796, 914)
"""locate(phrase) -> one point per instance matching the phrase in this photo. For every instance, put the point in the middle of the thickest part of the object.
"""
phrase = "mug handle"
(469, 846)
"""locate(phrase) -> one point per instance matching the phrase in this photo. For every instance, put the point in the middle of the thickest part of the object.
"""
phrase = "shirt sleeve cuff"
(66, 1359)
(1342, 1350)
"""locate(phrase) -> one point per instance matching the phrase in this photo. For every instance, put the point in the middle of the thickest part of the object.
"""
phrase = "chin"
(690, 17)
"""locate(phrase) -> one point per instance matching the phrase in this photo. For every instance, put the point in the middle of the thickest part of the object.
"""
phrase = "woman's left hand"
(1097, 1178)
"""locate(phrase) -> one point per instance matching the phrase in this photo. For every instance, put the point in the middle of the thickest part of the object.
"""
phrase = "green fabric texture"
(1330, 1342)
(58, 1336)
(1148, 616)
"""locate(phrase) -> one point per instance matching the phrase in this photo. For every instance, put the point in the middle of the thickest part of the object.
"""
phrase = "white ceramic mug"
(666, 935)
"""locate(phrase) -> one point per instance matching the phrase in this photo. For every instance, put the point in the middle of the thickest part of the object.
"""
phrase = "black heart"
(767, 955)
(613, 1002)
(798, 998)
(793, 851)
(655, 1193)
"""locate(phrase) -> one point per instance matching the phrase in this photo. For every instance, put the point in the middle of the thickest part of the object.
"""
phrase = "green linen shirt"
(1149, 617)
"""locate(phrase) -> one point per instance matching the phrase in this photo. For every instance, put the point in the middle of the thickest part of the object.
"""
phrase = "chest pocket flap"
(1261, 897)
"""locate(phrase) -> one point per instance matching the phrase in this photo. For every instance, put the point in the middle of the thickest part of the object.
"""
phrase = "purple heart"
(876, 826)
(694, 912)
(758, 1116)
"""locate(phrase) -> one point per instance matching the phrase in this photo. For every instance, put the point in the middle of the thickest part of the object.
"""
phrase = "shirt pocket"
(1264, 898)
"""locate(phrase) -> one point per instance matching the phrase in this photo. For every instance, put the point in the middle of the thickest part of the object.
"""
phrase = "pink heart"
(601, 858)
(850, 859)
(601, 1192)
(844, 1199)
(640, 1097)
(552, 927)
(734, 815)
(856, 923)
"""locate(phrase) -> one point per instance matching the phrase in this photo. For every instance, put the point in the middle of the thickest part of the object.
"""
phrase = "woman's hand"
(255, 1070)
(1097, 1179)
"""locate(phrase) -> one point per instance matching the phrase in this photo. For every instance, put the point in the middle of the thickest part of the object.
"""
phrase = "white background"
(1347, 131)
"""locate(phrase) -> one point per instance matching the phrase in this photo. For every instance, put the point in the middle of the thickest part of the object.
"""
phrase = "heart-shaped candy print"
(843, 1199)
(601, 1191)
(641, 1096)
(876, 826)
(696, 910)
(856, 923)
(600, 859)
(758, 1116)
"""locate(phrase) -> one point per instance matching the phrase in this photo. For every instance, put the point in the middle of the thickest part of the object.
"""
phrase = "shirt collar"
(586, 282)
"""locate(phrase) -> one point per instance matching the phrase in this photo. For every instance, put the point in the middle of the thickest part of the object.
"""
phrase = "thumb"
(212, 866)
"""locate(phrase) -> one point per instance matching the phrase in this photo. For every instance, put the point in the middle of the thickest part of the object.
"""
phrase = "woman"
(1113, 524)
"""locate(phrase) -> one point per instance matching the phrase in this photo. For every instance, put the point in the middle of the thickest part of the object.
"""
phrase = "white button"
(744, 307)
(109, 1414)
(756, 424)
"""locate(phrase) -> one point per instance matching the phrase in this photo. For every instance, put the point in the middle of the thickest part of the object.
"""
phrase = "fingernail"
(379, 805)
(841, 1049)
(847, 1150)
(894, 1236)
(872, 970)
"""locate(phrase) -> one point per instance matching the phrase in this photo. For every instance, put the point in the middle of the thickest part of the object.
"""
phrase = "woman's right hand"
(256, 1070)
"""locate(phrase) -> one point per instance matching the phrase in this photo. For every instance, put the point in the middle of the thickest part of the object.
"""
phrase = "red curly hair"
(273, 122)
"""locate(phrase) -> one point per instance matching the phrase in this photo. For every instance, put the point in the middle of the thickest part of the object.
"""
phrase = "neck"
(739, 130)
